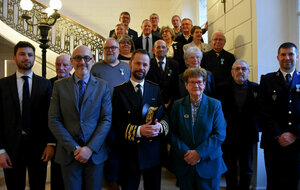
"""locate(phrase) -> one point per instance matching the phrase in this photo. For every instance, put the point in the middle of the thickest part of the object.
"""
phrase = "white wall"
(271, 33)
(102, 15)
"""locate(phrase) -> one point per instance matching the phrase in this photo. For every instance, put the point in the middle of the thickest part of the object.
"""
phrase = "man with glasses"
(154, 19)
(239, 102)
(80, 118)
(217, 60)
(112, 70)
(125, 20)
(115, 72)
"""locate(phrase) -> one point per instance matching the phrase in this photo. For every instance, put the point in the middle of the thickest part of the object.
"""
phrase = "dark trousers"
(130, 180)
(57, 182)
(29, 158)
(282, 167)
(192, 181)
(239, 162)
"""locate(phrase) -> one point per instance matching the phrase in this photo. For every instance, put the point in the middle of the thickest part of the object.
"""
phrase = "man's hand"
(148, 130)
(48, 153)
(206, 25)
(286, 139)
(83, 154)
(5, 161)
(192, 157)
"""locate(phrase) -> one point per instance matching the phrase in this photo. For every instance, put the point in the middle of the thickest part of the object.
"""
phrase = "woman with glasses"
(197, 131)
(197, 37)
(126, 48)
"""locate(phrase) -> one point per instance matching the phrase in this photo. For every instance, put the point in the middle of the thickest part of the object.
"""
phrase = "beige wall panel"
(242, 34)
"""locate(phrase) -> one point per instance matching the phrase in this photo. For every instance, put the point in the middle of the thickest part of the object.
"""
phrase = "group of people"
(114, 119)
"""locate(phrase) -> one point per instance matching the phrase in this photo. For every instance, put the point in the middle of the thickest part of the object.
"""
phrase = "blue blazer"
(66, 120)
(205, 137)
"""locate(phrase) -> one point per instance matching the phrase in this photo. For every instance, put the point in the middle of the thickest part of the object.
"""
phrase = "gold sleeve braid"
(130, 133)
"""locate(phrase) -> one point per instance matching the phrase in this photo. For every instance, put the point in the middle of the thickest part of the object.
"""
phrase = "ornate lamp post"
(44, 23)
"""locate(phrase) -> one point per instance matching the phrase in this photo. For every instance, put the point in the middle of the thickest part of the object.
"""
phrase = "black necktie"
(139, 91)
(288, 80)
(81, 85)
(147, 44)
(26, 118)
(160, 64)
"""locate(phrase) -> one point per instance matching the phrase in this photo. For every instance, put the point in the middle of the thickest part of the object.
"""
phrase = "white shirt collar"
(136, 83)
(150, 36)
(19, 75)
(285, 73)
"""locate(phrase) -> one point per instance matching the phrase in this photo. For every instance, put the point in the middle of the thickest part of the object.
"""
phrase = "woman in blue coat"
(197, 130)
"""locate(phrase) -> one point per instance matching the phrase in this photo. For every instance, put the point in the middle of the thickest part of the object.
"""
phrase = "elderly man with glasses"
(80, 118)
(239, 102)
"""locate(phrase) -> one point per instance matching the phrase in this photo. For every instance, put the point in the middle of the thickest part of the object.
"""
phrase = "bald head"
(63, 66)
(82, 61)
(160, 49)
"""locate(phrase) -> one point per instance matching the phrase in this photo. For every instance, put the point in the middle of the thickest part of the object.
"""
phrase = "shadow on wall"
(239, 42)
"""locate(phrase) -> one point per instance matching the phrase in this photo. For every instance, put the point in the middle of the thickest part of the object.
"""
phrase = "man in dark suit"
(140, 147)
(154, 19)
(218, 61)
(146, 40)
(279, 108)
(63, 68)
(239, 102)
(24, 135)
(125, 20)
(80, 119)
(164, 72)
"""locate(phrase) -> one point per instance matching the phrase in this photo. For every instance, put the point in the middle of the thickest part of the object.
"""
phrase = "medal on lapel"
(274, 96)
(122, 71)
(170, 73)
(297, 87)
(186, 116)
(222, 61)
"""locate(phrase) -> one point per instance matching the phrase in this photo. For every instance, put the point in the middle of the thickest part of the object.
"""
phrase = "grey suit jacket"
(94, 118)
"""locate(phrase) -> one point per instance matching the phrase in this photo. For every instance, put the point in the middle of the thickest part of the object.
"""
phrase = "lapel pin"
(297, 87)
(222, 61)
(122, 71)
(186, 116)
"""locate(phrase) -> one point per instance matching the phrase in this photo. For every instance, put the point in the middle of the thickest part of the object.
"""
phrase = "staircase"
(64, 36)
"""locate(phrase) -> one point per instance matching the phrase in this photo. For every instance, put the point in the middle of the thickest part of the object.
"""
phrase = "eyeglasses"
(199, 83)
(113, 48)
(240, 68)
(86, 58)
(125, 42)
(218, 39)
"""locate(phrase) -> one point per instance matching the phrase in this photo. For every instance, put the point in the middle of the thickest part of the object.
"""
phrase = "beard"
(24, 67)
(111, 59)
(139, 77)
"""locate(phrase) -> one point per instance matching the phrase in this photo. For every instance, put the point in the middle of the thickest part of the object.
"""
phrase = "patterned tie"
(288, 81)
(139, 91)
(26, 118)
(81, 85)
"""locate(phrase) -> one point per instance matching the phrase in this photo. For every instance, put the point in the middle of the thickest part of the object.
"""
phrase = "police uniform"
(279, 108)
